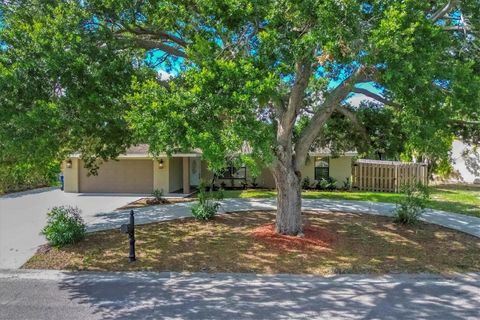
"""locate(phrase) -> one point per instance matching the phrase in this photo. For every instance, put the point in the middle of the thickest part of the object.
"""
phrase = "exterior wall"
(161, 177)
(205, 174)
(122, 176)
(265, 179)
(70, 176)
(340, 169)
(175, 174)
(309, 169)
(465, 162)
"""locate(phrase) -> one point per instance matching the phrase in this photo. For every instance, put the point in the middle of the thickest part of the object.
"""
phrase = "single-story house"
(137, 171)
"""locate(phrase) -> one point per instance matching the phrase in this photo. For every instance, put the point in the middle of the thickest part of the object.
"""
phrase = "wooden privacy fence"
(386, 176)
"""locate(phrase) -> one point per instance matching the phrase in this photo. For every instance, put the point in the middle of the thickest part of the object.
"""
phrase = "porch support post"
(186, 175)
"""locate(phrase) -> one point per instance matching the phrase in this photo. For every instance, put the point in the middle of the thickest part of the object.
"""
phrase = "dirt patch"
(313, 238)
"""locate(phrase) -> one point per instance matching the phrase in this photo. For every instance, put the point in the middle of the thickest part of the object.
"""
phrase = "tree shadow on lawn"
(362, 244)
(245, 296)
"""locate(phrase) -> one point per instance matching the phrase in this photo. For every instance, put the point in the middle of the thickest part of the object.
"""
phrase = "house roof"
(142, 151)
(326, 152)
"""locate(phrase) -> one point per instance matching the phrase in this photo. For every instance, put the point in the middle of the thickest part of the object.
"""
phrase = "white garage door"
(123, 176)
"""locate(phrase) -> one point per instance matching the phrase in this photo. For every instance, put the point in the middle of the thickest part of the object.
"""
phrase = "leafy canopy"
(83, 76)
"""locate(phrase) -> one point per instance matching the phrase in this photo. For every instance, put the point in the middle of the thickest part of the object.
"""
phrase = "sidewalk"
(112, 220)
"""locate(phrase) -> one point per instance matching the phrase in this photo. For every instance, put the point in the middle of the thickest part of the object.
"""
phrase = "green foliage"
(64, 226)
(347, 184)
(412, 205)
(81, 76)
(23, 176)
(207, 205)
(326, 184)
(158, 194)
(306, 184)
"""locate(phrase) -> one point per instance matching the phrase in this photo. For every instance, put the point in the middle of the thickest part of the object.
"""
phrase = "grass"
(361, 244)
(453, 198)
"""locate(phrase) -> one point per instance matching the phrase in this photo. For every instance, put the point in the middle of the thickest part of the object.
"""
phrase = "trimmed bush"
(64, 226)
(412, 205)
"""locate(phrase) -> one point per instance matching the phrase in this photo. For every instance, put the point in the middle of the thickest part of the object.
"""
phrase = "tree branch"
(375, 97)
(440, 13)
(353, 118)
(331, 103)
(288, 113)
(149, 44)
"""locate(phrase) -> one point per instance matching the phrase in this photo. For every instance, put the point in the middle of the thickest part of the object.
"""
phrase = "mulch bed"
(146, 202)
(313, 238)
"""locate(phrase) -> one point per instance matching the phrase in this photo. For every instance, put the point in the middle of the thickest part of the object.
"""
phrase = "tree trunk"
(289, 201)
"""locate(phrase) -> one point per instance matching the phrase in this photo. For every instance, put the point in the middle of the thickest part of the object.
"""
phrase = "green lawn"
(454, 198)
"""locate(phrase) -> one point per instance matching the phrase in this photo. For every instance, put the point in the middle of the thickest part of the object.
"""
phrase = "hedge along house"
(137, 171)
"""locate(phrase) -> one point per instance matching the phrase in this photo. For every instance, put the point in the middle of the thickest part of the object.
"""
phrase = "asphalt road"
(57, 295)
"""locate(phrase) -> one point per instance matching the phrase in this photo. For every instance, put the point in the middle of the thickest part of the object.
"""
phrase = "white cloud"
(357, 98)
(163, 75)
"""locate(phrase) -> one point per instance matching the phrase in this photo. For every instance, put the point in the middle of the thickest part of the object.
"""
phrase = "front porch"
(178, 176)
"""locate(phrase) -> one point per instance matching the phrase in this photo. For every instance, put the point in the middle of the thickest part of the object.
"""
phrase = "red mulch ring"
(314, 238)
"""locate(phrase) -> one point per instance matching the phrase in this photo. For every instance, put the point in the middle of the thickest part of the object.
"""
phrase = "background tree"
(264, 74)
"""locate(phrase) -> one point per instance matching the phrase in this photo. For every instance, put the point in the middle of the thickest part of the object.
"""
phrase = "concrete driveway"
(23, 215)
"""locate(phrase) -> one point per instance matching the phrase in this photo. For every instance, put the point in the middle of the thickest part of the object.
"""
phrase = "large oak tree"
(230, 76)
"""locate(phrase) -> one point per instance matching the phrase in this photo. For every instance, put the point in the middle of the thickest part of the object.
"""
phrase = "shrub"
(158, 195)
(254, 183)
(207, 206)
(326, 184)
(412, 205)
(17, 176)
(306, 183)
(64, 226)
(347, 184)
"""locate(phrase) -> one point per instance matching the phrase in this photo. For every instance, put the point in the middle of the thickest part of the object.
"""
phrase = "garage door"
(123, 176)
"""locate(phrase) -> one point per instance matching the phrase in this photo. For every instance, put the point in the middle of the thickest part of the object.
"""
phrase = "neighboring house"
(465, 162)
(138, 172)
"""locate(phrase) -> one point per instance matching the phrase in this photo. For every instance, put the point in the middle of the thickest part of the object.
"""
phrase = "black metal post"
(131, 237)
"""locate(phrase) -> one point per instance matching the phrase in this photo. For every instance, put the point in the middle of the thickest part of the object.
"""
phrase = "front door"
(194, 171)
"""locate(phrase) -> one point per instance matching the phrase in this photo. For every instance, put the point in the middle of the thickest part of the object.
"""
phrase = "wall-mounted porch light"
(160, 164)
(69, 163)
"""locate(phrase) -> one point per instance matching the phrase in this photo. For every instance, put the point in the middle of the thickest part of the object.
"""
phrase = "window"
(234, 173)
(322, 169)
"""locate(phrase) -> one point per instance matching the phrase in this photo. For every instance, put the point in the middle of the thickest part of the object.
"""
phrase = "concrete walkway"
(112, 220)
(141, 295)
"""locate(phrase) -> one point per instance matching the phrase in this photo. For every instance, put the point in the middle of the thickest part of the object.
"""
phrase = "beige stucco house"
(138, 172)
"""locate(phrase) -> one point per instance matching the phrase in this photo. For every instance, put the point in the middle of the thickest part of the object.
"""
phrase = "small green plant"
(412, 205)
(347, 184)
(326, 184)
(158, 195)
(254, 183)
(64, 226)
(306, 183)
(207, 205)
(244, 185)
